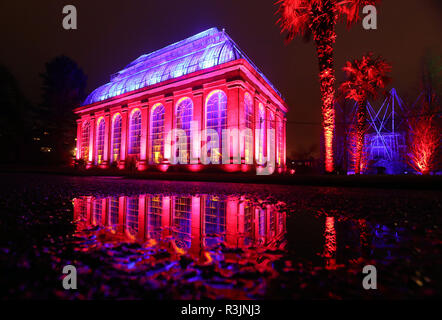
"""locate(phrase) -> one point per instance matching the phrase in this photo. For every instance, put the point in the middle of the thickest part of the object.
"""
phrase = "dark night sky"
(113, 33)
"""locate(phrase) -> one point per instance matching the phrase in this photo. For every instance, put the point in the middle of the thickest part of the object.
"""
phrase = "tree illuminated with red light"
(319, 18)
(424, 135)
(365, 77)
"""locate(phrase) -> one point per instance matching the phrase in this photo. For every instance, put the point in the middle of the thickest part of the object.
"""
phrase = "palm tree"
(365, 77)
(319, 18)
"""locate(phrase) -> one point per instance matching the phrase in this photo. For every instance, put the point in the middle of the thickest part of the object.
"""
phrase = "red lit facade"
(127, 121)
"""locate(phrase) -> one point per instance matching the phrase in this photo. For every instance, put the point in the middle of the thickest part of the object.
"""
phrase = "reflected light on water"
(190, 223)
(232, 246)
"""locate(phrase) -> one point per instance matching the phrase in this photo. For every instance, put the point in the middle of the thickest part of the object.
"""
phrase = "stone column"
(198, 116)
(123, 147)
(196, 226)
(107, 139)
(104, 211)
(266, 127)
(149, 136)
(89, 204)
(284, 134)
(78, 144)
(168, 126)
(165, 217)
(232, 221)
(255, 127)
(142, 165)
(241, 222)
(121, 214)
(91, 143)
(277, 134)
(142, 218)
(233, 121)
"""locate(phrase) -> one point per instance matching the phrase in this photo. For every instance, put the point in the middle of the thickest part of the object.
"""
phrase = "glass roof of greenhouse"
(201, 51)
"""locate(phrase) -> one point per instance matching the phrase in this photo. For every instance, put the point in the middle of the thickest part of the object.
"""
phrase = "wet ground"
(183, 240)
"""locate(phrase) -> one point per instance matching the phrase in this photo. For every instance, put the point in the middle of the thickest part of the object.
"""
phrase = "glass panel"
(85, 141)
(184, 116)
(132, 215)
(181, 221)
(216, 119)
(201, 51)
(100, 142)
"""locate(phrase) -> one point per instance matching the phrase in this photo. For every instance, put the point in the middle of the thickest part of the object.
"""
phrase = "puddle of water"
(203, 245)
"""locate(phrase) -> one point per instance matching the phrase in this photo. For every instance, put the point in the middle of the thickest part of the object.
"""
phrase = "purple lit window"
(132, 215)
(100, 142)
(181, 221)
(157, 134)
(261, 222)
(248, 222)
(135, 133)
(116, 138)
(248, 138)
(154, 216)
(214, 220)
(82, 208)
(85, 131)
(216, 119)
(114, 205)
(97, 213)
(184, 116)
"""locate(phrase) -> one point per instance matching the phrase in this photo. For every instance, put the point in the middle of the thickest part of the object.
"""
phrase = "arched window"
(135, 133)
(184, 116)
(214, 220)
(85, 132)
(114, 210)
(248, 124)
(182, 217)
(132, 215)
(116, 137)
(261, 134)
(99, 142)
(154, 219)
(216, 119)
(97, 213)
(157, 133)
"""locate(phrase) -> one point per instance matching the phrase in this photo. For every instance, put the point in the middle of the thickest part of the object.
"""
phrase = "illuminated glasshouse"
(200, 84)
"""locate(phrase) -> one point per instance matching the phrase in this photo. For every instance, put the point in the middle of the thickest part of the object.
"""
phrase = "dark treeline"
(41, 133)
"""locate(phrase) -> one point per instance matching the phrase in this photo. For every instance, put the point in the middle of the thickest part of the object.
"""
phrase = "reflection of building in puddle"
(193, 222)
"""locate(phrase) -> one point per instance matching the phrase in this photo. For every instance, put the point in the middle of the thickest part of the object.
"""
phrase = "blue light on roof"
(201, 51)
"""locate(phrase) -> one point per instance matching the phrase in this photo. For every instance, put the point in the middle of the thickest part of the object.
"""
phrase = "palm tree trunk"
(361, 127)
(324, 48)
